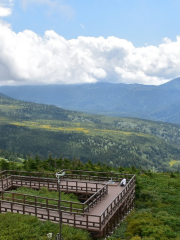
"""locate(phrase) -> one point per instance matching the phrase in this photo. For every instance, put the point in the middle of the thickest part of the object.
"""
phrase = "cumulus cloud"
(6, 8)
(27, 58)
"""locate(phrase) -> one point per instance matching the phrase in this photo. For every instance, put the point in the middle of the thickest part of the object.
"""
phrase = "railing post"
(48, 214)
(35, 210)
(66, 185)
(71, 207)
(30, 180)
(11, 207)
(7, 182)
(57, 183)
(48, 182)
(11, 182)
(74, 220)
(87, 221)
(39, 180)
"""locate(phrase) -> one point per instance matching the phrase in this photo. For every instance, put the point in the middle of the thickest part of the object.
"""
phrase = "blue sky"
(139, 21)
(110, 38)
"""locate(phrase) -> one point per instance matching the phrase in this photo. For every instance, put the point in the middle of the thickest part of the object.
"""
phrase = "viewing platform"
(103, 204)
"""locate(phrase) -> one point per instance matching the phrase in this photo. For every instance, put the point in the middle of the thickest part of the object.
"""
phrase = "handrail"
(95, 197)
(122, 195)
(98, 176)
(5, 183)
(88, 186)
(46, 203)
(84, 222)
(89, 175)
(8, 176)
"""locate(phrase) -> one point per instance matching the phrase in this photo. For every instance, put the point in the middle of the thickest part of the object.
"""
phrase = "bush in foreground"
(20, 227)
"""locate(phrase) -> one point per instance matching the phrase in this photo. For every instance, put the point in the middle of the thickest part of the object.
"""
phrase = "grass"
(72, 127)
(172, 162)
(44, 192)
(16, 226)
(157, 209)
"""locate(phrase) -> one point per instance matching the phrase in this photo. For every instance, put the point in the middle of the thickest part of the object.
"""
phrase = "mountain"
(31, 128)
(161, 103)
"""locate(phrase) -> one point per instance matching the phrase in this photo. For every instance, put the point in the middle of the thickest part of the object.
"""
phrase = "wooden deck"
(104, 206)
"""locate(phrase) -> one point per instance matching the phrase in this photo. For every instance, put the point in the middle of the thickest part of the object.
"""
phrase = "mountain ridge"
(122, 100)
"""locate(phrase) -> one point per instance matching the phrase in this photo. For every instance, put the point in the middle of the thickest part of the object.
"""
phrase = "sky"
(79, 41)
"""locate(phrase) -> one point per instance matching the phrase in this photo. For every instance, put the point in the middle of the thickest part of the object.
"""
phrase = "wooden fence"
(75, 214)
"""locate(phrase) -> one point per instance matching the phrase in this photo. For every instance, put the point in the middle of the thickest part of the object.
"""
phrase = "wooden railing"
(34, 182)
(95, 176)
(85, 207)
(94, 199)
(72, 174)
(117, 201)
(77, 220)
(75, 214)
(6, 173)
(67, 185)
(98, 190)
(42, 202)
(5, 183)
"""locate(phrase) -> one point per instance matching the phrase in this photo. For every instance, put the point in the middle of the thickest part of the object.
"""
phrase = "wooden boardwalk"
(104, 206)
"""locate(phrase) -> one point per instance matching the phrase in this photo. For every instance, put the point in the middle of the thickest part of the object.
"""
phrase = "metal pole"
(60, 215)
(59, 208)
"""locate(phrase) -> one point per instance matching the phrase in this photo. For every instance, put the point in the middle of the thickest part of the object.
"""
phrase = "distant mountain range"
(160, 103)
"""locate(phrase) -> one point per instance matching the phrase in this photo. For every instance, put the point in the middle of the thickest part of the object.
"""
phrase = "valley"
(39, 129)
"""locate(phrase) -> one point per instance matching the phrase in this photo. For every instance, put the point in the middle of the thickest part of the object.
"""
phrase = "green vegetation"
(44, 192)
(37, 129)
(157, 206)
(20, 227)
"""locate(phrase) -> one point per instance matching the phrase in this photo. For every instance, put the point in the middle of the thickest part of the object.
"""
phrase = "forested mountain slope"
(125, 100)
(31, 128)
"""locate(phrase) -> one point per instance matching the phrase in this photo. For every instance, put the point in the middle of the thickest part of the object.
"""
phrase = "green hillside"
(31, 129)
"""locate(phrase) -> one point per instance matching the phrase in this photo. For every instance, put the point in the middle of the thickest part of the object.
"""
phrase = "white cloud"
(27, 58)
(6, 8)
(4, 12)
(82, 26)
